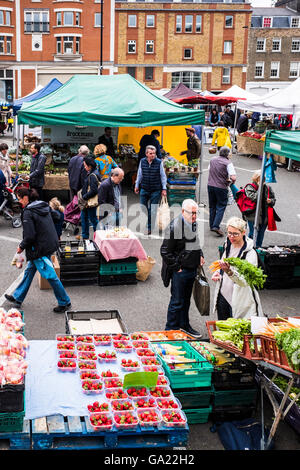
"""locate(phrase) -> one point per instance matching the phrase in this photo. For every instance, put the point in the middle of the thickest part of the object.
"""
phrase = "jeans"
(260, 232)
(150, 200)
(88, 215)
(181, 291)
(224, 309)
(22, 289)
(217, 200)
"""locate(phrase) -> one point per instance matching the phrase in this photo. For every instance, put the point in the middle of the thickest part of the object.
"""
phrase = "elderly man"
(181, 257)
(109, 198)
(220, 175)
(151, 183)
(76, 170)
(193, 145)
(37, 169)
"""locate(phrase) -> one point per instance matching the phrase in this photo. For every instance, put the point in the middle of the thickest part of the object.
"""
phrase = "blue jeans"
(260, 232)
(181, 291)
(88, 216)
(150, 200)
(22, 289)
(217, 200)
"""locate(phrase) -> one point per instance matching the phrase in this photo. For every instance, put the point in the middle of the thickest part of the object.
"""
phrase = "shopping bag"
(144, 268)
(230, 199)
(45, 267)
(163, 214)
(82, 203)
(201, 293)
(271, 217)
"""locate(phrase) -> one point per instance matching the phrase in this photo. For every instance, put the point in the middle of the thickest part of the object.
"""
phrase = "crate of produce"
(168, 335)
(89, 253)
(122, 266)
(235, 397)
(251, 345)
(197, 398)
(192, 371)
(198, 415)
(12, 398)
(273, 355)
(94, 322)
(12, 422)
(117, 279)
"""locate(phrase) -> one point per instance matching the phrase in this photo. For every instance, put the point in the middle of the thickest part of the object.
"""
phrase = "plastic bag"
(144, 268)
(18, 260)
(201, 293)
(163, 214)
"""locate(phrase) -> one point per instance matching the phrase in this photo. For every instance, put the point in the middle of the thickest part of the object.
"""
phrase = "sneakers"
(11, 299)
(217, 231)
(61, 308)
(192, 332)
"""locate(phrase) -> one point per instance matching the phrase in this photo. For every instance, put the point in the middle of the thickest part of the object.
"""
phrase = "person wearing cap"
(193, 145)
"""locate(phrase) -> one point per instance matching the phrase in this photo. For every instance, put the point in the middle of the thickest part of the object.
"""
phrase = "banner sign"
(74, 134)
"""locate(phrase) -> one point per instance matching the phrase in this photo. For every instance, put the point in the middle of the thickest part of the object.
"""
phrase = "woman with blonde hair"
(57, 212)
(233, 296)
(105, 163)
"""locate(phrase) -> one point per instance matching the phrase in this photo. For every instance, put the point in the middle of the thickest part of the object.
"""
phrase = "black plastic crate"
(195, 398)
(74, 268)
(231, 413)
(117, 279)
(75, 257)
(12, 398)
(234, 375)
(84, 315)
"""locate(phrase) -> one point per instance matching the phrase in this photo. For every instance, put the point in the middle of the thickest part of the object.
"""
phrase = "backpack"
(246, 206)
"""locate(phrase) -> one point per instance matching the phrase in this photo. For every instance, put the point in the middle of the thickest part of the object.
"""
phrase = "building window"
(67, 45)
(259, 69)
(295, 44)
(227, 47)
(59, 18)
(36, 21)
(228, 21)
(294, 69)
(98, 19)
(68, 18)
(131, 47)
(150, 46)
(150, 21)
(276, 45)
(295, 22)
(198, 24)
(260, 45)
(77, 18)
(131, 71)
(187, 53)
(2, 45)
(149, 73)
(5, 17)
(226, 75)
(188, 28)
(190, 79)
(132, 21)
(8, 18)
(178, 23)
(274, 70)
(267, 22)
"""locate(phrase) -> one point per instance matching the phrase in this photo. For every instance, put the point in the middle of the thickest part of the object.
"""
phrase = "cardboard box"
(43, 283)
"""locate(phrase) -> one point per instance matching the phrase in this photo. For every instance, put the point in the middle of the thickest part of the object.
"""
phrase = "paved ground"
(144, 306)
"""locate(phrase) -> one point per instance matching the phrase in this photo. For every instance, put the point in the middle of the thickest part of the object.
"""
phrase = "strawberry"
(109, 373)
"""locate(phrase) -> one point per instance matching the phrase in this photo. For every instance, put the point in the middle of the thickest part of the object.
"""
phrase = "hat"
(191, 129)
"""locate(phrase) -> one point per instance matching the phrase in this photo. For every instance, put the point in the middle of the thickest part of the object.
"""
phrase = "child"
(58, 215)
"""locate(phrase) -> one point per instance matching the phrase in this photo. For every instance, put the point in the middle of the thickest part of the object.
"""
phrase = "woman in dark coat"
(89, 190)
(39, 240)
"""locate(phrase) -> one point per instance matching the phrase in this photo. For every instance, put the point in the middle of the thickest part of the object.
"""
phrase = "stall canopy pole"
(259, 199)
(17, 147)
(234, 128)
(101, 39)
(200, 166)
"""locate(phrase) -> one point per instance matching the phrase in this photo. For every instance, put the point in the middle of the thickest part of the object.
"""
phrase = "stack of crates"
(282, 267)
(180, 186)
(117, 272)
(78, 266)
(191, 382)
(234, 390)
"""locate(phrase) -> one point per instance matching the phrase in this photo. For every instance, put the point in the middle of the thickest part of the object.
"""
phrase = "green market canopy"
(106, 100)
(284, 143)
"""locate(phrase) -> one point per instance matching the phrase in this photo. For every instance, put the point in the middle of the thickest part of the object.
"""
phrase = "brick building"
(159, 42)
(274, 49)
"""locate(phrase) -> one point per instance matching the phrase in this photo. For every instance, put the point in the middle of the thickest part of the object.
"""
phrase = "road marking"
(9, 239)
(11, 288)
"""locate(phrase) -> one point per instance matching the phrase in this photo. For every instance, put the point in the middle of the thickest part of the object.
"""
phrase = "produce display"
(253, 275)
(282, 383)
(96, 407)
(212, 353)
(253, 135)
(232, 331)
(173, 418)
(148, 417)
(118, 232)
(289, 342)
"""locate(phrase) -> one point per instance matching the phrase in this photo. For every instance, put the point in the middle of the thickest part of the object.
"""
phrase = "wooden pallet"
(19, 440)
(76, 433)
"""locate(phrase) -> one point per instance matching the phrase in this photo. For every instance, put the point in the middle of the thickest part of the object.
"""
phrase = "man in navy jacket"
(109, 197)
(76, 171)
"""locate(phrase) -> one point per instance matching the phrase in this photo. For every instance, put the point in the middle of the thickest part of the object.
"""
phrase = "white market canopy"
(282, 101)
(236, 92)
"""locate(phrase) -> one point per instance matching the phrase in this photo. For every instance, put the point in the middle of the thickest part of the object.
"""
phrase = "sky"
(261, 3)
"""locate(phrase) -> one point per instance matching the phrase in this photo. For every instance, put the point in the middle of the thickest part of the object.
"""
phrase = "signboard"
(74, 134)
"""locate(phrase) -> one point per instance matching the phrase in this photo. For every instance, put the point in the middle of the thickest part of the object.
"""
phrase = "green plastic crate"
(198, 415)
(196, 374)
(296, 271)
(12, 422)
(194, 399)
(112, 268)
(235, 397)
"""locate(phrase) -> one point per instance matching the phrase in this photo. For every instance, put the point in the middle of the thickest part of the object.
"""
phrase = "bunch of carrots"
(271, 328)
(215, 266)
